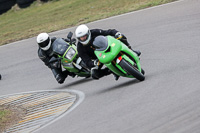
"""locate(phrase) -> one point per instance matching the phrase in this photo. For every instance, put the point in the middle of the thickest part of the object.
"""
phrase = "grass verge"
(19, 24)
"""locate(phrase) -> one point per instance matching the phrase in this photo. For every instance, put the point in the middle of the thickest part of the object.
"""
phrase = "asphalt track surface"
(166, 102)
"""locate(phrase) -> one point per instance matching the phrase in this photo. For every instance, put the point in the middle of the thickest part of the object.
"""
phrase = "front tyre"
(131, 70)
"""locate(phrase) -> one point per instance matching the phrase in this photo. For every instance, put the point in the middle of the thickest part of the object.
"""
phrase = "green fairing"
(116, 47)
(67, 64)
(67, 55)
(65, 59)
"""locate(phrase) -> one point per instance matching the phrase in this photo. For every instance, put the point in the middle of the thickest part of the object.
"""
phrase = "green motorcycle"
(68, 56)
(118, 57)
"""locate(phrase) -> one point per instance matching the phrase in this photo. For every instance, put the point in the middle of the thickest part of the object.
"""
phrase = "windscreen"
(100, 43)
(60, 46)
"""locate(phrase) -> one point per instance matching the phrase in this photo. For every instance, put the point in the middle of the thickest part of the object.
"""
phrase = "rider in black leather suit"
(85, 48)
(45, 53)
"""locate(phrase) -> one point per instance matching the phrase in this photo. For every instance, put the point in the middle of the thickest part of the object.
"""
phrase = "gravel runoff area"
(14, 115)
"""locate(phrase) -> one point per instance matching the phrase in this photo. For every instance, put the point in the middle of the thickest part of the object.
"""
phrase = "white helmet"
(81, 31)
(44, 41)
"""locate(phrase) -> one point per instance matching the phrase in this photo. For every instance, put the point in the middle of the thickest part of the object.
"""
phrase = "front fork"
(125, 57)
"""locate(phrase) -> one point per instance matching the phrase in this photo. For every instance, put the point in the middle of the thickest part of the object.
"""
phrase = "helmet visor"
(83, 38)
(44, 43)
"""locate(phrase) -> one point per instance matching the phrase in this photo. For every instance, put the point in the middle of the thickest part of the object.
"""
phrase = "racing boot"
(116, 76)
(72, 74)
(137, 52)
(66, 73)
(105, 72)
(98, 73)
(129, 46)
(94, 73)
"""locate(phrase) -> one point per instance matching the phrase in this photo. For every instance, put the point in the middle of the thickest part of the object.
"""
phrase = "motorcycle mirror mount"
(72, 40)
(69, 36)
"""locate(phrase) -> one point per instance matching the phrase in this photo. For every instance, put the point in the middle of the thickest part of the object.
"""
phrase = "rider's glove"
(94, 73)
(55, 64)
(73, 40)
(66, 39)
(60, 79)
(118, 35)
(129, 46)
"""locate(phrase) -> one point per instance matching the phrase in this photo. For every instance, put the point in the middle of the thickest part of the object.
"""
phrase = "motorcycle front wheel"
(132, 70)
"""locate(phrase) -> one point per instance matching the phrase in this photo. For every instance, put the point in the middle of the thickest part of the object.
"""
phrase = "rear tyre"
(131, 70)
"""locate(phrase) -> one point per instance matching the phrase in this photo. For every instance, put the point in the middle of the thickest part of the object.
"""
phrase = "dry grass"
(19, 24)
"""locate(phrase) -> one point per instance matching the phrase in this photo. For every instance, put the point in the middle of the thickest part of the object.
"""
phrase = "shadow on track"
(134, 81)
(75, 83)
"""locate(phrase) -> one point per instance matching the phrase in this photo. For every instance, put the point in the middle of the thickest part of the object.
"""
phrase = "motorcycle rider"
(45, 53)
(85, 48)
